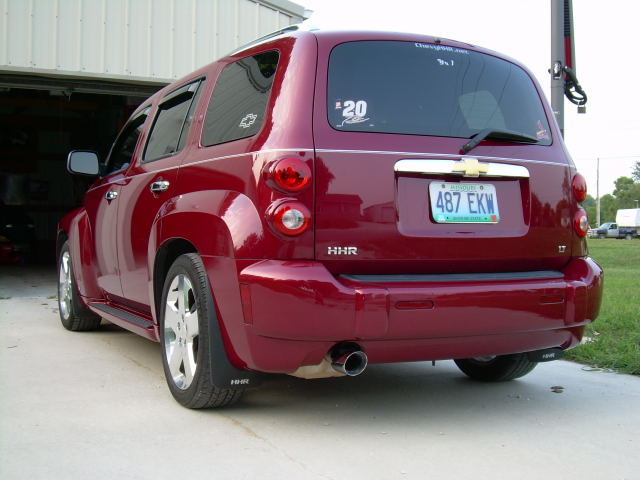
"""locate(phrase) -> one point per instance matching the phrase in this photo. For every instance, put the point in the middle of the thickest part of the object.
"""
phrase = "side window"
(175, 114)
(125, 145)
(240, 99)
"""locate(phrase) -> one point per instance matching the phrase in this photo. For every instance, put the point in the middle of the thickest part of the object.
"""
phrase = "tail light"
(289, 217)
(580, 222)
(290, 174)
(579, 187)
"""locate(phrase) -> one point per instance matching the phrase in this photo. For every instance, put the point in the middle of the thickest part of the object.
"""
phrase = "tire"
(629, 236)
(186, 318)
(74, 315)
(496, 369)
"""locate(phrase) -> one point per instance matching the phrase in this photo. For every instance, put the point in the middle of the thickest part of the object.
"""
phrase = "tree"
(608, 208)
(622, 184)
(636, 172)
(590, 206)
(624, 196)
(626, 192)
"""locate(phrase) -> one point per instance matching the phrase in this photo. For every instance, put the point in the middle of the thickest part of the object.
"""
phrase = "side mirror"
(82, 162)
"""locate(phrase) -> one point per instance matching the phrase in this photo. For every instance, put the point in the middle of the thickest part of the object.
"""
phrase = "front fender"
(75, 226)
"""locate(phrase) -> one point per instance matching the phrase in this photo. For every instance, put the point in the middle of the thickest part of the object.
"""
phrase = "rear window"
(427, 89)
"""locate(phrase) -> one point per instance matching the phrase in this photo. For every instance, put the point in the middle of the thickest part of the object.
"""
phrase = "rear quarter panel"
(226, 180)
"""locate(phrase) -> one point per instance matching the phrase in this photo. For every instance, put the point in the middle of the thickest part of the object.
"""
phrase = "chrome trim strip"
(446, 167)
(441, 156)
(267, 150)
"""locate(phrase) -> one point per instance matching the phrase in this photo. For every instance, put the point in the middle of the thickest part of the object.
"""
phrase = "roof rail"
(290, 28)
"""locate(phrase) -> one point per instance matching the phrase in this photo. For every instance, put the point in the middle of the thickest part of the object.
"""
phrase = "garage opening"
(39, 124)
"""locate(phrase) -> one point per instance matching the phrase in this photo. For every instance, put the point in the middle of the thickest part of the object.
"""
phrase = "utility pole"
(563, 62)
(557, 61)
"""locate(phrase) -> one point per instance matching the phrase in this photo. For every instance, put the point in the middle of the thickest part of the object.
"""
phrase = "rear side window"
(428, 89)
(240, 99)
(169, 132)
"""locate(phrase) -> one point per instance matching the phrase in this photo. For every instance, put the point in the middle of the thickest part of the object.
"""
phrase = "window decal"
(541, 132)
(353, 111)
(248, 120)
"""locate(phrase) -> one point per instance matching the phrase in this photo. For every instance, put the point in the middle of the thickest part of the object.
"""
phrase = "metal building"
(146, 41)
(71, 72)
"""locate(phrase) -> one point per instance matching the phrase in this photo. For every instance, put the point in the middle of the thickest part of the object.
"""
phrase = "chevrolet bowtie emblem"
(471, 167)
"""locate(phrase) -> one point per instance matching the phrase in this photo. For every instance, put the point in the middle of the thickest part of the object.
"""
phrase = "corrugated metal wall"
(146, 39)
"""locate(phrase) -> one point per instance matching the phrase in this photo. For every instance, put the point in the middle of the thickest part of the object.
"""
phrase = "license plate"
(453, 202)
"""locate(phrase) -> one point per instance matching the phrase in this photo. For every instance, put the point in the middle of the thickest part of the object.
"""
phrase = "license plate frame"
(466, 202)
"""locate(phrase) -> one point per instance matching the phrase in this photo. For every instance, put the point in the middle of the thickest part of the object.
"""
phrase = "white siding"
(136, 39)
(68, 38)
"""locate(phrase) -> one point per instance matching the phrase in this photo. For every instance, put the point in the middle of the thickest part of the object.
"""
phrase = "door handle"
(159, 186)
(111, 195)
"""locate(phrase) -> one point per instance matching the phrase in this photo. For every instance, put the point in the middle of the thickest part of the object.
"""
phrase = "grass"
(616, 331)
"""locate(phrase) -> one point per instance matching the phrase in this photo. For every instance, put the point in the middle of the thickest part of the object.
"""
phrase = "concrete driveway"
(95, 405)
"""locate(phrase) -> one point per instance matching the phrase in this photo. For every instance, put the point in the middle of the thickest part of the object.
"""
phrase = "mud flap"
(223, 373)
(545, 355)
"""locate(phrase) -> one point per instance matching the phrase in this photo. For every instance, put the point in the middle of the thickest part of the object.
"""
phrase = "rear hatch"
(396, 192)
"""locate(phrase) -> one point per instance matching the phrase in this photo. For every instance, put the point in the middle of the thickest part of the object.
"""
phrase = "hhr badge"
(342, 250)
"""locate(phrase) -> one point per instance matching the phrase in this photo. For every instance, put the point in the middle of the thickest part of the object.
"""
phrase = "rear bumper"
(295, 311)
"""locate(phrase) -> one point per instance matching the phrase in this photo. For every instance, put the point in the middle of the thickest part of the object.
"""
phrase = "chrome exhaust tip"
(348, 360)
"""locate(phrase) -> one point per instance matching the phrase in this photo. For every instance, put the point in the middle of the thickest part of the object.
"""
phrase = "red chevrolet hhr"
(319, 200)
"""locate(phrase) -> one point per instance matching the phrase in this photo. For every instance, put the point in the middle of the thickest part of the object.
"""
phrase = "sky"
(606, 44)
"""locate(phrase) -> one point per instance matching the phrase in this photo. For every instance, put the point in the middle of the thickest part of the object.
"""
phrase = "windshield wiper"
(496, 134)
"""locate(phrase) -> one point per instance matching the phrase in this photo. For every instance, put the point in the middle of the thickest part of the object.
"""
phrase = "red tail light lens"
(580, 223)
(579, 186)
(291, 174)
(290, 218)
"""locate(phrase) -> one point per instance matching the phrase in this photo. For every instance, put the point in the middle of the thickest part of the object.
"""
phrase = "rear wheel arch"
(167, 253)
(186, 230)
(215, 221)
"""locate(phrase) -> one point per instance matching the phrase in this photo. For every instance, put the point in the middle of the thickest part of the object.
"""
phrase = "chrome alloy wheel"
(181, 331)
(65, 285)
